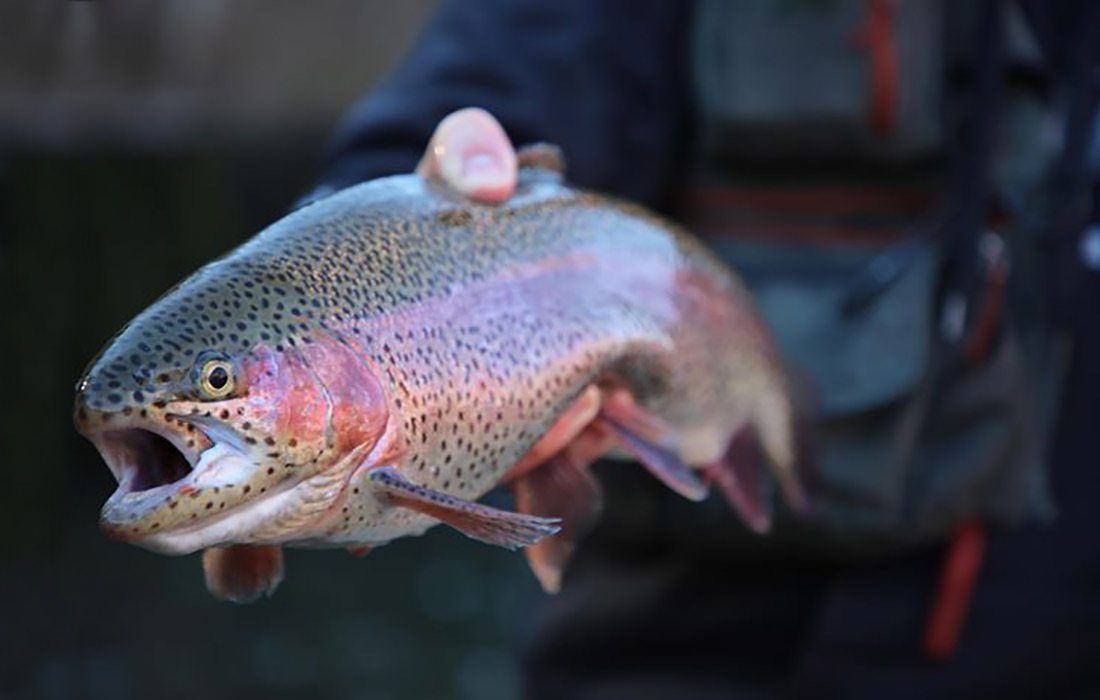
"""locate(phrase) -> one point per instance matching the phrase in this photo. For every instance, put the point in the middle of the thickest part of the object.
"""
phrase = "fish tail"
(773, 432)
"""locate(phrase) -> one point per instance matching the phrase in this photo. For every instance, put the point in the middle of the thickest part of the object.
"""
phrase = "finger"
(471, 153)
(593, 443)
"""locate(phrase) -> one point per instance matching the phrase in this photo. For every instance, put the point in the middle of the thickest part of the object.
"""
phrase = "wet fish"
(372, 364)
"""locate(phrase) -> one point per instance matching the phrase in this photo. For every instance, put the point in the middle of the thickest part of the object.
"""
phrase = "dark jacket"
(657, 615)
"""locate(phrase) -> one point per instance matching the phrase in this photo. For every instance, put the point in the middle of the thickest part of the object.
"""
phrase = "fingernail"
(482, 167)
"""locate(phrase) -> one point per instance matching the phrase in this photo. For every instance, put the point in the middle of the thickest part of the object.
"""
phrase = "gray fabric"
(854, 362)
(785, 79)
(909, 442)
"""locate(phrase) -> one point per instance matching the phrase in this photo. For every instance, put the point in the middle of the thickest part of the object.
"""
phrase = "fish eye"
(216, 379)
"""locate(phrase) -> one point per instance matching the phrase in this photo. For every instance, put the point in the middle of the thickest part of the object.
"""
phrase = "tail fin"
(775, 432)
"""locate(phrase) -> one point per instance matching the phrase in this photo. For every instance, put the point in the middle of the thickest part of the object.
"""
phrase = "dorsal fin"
(545, 156)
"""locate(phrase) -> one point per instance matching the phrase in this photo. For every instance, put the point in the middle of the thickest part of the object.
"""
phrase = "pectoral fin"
(243, 573)
(564, 488)
(480, 522)
(660, 462)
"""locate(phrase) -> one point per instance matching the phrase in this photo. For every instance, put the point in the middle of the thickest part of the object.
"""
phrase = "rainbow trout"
(372, 364)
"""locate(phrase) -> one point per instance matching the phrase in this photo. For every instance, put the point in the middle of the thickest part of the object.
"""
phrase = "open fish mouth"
(143, 460)
(188, 482)
(157, 467)
(183, 484)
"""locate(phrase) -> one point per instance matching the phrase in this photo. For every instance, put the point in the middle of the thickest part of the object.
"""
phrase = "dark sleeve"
(604, 79)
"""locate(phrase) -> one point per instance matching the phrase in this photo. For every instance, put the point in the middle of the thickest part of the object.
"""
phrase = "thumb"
(470, 153)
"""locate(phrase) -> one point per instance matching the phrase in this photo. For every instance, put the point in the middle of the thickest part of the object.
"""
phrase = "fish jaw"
(218, 504)
(238, 525)
(153, 457)
(168, 472)
(174, 476)
(219, 493)
(148, 516)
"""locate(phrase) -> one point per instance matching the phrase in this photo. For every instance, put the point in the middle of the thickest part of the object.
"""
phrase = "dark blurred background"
(139, 140)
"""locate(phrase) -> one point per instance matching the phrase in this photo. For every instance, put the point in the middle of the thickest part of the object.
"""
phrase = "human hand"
(470, 152)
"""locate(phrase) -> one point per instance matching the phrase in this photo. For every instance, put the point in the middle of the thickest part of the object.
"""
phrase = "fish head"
(218, 438)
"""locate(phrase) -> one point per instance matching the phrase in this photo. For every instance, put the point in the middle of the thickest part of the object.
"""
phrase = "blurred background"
(137, 141)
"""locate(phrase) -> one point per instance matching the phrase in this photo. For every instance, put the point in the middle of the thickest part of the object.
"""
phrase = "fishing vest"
(820, 164)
